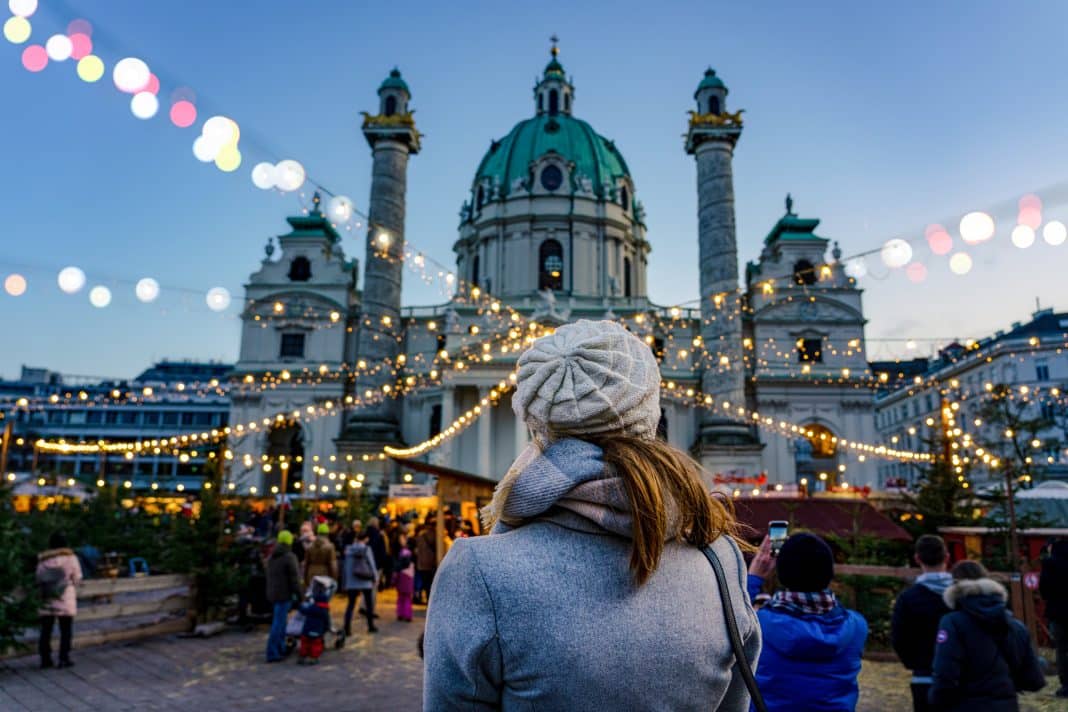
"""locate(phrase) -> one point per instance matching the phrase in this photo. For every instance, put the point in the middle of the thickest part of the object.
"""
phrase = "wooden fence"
(119, 609)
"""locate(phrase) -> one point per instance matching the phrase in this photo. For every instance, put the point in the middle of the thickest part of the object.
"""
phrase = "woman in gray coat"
(591, 592)
(360, 572)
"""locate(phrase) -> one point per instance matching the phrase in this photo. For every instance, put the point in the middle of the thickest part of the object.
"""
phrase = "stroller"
(320, 585)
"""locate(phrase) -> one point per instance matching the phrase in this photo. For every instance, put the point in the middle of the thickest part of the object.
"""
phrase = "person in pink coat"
(404, 579)
(58, 575)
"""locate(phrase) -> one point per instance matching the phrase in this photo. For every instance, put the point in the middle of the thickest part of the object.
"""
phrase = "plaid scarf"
(802, 603)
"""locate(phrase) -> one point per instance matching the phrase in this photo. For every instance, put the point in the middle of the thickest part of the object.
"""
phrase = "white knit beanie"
(589, 377)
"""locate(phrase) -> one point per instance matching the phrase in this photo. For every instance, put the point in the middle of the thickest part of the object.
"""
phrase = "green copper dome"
(394, 81)
(593, 156)
(711, 81)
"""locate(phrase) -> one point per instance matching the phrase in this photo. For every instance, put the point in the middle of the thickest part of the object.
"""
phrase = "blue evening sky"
(879, 117)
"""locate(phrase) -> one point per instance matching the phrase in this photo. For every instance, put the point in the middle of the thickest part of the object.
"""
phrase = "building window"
(292, 346)
(1047, 410)
(554, 102)
(1042, 370)
(541, 106)
(479, 198)
(624, 198)
(551, 265)
(567, 102)
(551, 178)
(475, 263)
(391, 105)
(435, 419)
(713, 105)
(810, 351)
(299, 269)
(804, 272)
(626, 277)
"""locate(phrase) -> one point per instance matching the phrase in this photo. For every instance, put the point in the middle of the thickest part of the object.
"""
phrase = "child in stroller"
(311, 622)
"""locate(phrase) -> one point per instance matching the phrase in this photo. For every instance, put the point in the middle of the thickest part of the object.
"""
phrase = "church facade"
(551, 231)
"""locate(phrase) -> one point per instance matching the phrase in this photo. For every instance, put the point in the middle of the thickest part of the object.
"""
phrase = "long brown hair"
(655, 474)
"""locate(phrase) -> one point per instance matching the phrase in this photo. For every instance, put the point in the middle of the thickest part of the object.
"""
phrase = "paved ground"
(227, 672)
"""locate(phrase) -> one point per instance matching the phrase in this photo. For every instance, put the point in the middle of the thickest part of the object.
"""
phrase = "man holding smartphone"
(917, 612)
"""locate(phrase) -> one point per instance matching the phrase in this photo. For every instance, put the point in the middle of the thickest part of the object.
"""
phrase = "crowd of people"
(604, 551)
(363, 559)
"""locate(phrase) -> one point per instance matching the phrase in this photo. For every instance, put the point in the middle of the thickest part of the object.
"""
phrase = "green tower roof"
(711, 81)
(394, 81)
(575, 140)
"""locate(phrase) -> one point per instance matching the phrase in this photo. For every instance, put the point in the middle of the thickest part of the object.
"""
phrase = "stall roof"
(840, 517)
(439, 471)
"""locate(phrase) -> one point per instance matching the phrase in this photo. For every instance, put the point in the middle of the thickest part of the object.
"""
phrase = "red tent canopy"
(840, 517)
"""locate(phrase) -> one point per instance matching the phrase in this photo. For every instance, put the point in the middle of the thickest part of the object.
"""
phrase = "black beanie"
(805, 564)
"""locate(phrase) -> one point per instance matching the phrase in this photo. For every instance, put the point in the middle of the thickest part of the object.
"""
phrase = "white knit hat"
(589, 377)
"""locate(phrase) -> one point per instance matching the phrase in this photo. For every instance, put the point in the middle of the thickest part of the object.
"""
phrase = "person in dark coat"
(377, 542)
(812, 644)
(316, 623)
(283, 588)
(1053, 585)
(917, 613)
(983, 656)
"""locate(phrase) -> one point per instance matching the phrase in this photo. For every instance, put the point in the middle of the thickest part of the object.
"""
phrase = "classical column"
(485, 433)
(443, 454)
(722, 444)
(392, 137)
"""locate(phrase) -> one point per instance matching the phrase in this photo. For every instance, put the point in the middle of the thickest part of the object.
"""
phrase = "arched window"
(551, 177)
(391, 105)
(804, 272)
(624, 198)
(551, 265)
(475, 264)
(626, 278)
(541, 104)
(299, 269)
(554, 102)
(480, 196)
(713, 105)
(567, 102)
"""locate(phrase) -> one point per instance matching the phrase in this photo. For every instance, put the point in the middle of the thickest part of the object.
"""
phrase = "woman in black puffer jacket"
(983, 656)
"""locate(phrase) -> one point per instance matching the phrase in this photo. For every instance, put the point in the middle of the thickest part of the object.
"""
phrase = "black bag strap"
(741, 661)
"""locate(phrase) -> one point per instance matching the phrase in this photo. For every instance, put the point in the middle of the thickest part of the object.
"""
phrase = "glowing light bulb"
(144, 105)
(34, 58)
(147, 290)
(263, 175)
(90, 68)
(228, 159)
(15, 285)
(17, 30)
(100, 296)
(130, 75)
(1023, 236)
(1054, 232)
(59, 48)
(960, 263)
(22, 8)
(976, 227)
(218, 299)
(339, 208)
(289, 175)
(183, 113)
(71, 279)
(896, 253)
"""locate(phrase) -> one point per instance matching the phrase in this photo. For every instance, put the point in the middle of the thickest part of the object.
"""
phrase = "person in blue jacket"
(812, 645)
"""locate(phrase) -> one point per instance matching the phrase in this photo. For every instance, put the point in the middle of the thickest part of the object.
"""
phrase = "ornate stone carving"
(725, 119)
(383, 121)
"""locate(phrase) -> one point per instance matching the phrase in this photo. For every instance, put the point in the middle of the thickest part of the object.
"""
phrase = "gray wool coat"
(546, 616)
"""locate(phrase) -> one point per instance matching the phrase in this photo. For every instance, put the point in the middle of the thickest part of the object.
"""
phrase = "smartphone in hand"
(778, 530)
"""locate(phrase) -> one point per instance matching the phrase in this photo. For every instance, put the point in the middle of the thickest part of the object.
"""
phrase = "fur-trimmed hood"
(973, 587)
(53, 553)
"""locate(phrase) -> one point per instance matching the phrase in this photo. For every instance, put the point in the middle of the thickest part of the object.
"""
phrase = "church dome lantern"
(711, 94)
(393, 95)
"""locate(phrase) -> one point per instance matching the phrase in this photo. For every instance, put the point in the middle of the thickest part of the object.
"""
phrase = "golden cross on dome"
(555, 50)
